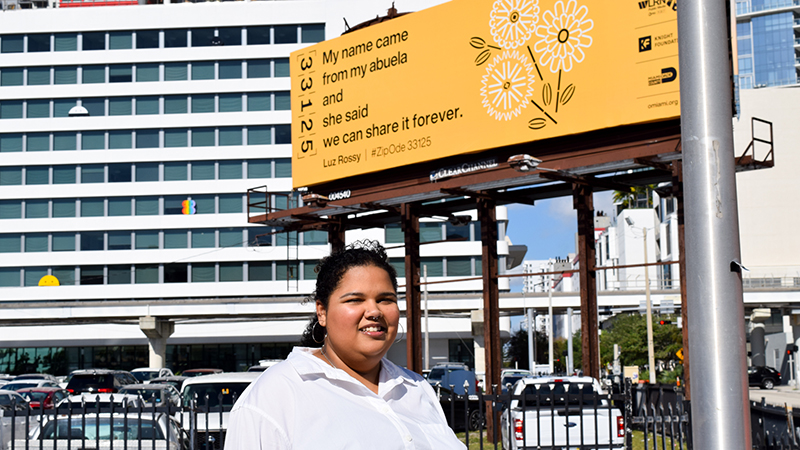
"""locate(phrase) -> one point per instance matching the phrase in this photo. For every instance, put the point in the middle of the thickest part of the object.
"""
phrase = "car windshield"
(148, 395)
(555, 395)
(21, 385)
(144, 376)
(436, 374)
(130, 428)
(5, 400)
(34, 396)
(214, 394)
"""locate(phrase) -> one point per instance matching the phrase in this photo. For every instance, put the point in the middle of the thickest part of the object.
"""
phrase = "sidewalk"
(780, 396)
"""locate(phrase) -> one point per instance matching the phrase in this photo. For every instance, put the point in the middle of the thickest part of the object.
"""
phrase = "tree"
(516, 349)
(634, 198)
(629, 331)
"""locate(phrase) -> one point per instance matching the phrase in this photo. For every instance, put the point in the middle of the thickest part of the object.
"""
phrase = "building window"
(176, 273)
(63, 242)
(92, 275)
(145, 273)
(92, 241)
(175, 38)
(94, 41)
(147, 39)
(66, 42)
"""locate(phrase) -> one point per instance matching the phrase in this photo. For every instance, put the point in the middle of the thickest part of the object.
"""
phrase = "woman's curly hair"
(330, 272)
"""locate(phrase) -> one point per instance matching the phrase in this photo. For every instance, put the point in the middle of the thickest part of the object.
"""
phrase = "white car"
(91, 402)
(145, 374)
(213, 397)
(146, 431)
(22, 384)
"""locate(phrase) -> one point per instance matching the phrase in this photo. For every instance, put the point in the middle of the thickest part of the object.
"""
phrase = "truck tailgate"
(573, 428)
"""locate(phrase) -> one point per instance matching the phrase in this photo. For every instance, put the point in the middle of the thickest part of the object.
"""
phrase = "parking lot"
(778, 396)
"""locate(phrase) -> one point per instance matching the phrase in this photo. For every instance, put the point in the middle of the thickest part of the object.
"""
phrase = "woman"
(343, 394)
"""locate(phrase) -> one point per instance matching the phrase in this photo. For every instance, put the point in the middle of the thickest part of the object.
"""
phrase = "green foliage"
(628, 199)
(516, 349)
(629, 331)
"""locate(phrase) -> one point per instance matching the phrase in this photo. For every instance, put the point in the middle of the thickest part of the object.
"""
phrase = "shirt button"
(385, 409)
(409, 438)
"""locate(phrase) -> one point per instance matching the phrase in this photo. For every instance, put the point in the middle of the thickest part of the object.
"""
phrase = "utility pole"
(651, 361)
(717, 352)
(550, 323)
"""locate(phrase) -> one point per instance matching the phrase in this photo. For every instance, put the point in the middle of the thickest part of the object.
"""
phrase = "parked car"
(23, 384)
(199, 372)
(35, 376)
(160, 394)
(454, 412)
(102, 381)
(455, 374)
(263, 365)
(92, 402)
(214, 396)
(511, 376)
(175, 381)
(763, 377)
(145, 374)
(145, 431)
(12, 400)
(592, 423)
(44, 397)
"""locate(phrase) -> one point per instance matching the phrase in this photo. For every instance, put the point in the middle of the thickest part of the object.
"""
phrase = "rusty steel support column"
(336, 236)
(582, 202)
(677, 191)
(410, 226)
(491, 304)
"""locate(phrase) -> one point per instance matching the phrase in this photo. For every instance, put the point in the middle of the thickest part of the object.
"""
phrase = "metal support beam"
(720, 398)
(583, 202)
(677, 192)
(336, 236)
(491, 302)
(410, 226)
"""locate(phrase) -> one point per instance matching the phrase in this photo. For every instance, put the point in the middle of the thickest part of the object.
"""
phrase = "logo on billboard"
(645, 44)
(461, 169)
(658, 6)
(529, 45)
(668, 75)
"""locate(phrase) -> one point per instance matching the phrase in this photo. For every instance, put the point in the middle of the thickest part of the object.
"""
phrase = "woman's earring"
(314, 333)
(400, 338)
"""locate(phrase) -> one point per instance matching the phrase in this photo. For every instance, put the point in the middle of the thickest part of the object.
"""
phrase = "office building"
(129, 136)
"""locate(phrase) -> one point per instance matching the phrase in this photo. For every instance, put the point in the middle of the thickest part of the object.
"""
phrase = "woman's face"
(361, 318)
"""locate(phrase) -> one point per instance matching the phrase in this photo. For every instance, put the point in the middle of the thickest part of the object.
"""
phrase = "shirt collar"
(305, 363)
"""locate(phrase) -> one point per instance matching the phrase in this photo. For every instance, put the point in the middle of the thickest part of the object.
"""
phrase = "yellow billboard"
(471, 75)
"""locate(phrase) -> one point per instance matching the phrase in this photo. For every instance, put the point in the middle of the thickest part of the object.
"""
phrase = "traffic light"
(664, 322)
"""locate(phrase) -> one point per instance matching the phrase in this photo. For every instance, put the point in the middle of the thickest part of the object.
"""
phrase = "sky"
(548, 228)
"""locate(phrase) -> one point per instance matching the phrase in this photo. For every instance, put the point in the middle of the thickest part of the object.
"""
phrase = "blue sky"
(548, 228)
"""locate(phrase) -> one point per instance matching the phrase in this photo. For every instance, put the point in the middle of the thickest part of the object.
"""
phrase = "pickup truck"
(572, 412)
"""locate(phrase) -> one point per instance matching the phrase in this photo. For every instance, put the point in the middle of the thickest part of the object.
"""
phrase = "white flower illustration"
(563, 36)
(507, 85)
(513, 22)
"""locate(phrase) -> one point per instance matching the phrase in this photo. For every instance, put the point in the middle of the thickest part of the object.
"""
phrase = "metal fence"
(569, 418)
(655, 416)
(774, 427)
(199, 425)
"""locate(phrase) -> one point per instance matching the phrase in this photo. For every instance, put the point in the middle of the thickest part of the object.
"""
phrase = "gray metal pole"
(570, 361)
(427, 330)
(651, 360)
(550, 359)
(720, 409)
(531, 355)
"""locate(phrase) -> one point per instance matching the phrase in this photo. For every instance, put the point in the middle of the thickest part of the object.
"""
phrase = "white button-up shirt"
(303, 403)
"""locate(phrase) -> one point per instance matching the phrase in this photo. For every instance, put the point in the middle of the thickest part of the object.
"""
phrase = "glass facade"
(766, 43)
(61, 361)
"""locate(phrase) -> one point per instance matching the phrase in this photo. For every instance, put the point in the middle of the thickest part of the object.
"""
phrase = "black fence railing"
(574, 415)
(545, 415)
(104, 423)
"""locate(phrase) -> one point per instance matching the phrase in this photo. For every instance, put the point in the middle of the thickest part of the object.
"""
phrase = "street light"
(650, 354)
